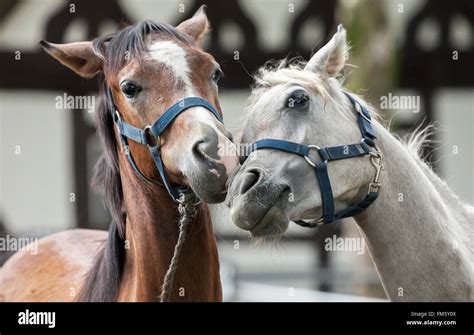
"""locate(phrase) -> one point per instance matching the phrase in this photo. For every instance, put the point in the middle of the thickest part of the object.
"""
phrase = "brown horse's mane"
(103, 280)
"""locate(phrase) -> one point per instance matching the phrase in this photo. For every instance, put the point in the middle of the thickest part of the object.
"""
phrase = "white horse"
(419, 234)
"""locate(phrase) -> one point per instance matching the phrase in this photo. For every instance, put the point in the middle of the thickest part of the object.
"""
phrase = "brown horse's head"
(149, 67)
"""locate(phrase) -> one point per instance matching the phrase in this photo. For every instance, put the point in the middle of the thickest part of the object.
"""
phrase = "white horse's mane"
(414, 143)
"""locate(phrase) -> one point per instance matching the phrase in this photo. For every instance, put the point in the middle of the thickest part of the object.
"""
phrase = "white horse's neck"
(417, 240)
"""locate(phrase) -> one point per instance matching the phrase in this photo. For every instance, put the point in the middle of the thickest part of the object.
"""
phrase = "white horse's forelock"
(291, 71)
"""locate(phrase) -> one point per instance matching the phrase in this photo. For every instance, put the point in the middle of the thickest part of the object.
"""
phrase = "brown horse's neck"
(151, 233)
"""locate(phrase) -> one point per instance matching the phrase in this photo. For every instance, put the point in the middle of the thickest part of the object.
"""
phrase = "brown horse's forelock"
(103, 280)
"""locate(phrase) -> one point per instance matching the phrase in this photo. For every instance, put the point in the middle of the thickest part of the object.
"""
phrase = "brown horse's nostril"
(249, 180)
(207, 148)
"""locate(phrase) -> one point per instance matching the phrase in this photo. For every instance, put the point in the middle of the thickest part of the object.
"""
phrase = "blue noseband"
(328, 154)
(150, 136)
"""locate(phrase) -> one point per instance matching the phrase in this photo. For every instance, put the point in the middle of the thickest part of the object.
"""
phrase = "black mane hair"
(102, 282)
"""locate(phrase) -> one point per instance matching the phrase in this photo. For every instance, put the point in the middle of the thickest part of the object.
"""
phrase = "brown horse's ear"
(197, 26)
(78, 56)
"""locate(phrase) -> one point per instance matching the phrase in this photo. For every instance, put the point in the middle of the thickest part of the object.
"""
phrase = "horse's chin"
(271, 226)
(210, 188)
(210, 195)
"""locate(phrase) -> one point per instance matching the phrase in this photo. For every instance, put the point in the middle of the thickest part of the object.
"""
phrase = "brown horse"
(147, 68)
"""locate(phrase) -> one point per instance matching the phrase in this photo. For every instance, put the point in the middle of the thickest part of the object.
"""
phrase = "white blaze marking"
(173, 56)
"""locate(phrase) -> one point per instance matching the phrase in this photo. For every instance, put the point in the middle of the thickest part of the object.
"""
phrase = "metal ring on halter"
(153, 141)
(117, 116)
(376, 154)
(308, 160)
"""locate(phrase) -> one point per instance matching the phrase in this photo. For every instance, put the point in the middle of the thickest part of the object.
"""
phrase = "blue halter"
(329, 213)
(150, 136)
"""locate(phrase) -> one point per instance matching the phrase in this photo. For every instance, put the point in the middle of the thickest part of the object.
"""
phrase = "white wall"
(36, 183)
(454, 112)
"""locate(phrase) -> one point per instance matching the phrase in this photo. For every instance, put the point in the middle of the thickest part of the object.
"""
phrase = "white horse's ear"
(78, 56)
(197, 26)
(330, 59)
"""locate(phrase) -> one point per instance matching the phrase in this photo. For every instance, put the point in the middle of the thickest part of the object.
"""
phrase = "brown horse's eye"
(130, 90)
(218, 74)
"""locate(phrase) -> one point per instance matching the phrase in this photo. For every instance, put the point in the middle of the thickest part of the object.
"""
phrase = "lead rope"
(187, 209)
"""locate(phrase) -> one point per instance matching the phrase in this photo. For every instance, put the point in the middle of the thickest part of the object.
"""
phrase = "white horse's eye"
(297, 99)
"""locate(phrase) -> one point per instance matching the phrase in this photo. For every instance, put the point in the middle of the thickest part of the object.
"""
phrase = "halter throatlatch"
(365, 147)
(150, 136)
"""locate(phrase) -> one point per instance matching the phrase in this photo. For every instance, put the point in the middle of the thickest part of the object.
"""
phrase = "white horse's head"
(304, 105)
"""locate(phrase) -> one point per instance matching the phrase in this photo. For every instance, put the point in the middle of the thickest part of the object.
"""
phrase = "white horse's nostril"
(249, 179)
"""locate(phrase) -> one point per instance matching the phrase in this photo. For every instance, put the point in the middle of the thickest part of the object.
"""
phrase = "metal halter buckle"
(376, 160)
(153, 141)
(308, 160)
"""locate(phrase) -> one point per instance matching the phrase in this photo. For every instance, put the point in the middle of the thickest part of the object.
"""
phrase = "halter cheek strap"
(150, 136)
(328, 154)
